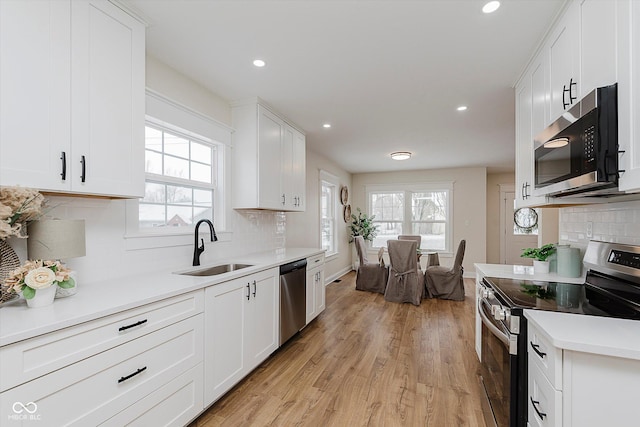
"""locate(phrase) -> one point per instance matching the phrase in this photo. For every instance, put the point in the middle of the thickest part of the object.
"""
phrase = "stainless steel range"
(612, 288)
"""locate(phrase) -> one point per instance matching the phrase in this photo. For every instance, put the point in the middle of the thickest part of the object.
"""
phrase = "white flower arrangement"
(39, 274)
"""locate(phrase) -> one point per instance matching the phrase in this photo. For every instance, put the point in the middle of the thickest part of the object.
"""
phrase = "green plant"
(540, 254)
(362, 225)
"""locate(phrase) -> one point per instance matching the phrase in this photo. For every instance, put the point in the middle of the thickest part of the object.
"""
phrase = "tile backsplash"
(609, 222)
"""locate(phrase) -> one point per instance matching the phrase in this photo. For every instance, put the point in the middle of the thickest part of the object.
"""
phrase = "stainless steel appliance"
(612, 288)
(577, 155)
(293, 298)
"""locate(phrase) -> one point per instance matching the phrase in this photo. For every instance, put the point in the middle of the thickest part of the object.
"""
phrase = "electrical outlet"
(589, 228)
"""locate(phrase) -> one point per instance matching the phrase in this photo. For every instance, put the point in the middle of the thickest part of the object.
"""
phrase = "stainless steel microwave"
(577, 155)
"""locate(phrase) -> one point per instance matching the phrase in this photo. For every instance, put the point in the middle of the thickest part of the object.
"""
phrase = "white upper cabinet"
(628, 53)
(72, 97)
(268, 160)
(564, 57)
(598, 37)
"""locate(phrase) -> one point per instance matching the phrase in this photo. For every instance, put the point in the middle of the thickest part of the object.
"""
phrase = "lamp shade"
(56, 239)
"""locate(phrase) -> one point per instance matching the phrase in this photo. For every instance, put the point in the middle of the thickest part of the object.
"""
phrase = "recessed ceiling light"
(461, 108)
(491, 7)
(401, 155)
(326, 125)
(259, 63)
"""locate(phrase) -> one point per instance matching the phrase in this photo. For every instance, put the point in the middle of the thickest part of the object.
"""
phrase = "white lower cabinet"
(315, 287)
(579, 389)
(241, 329)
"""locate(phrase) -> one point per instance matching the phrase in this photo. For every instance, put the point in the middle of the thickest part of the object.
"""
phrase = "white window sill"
(151, 240)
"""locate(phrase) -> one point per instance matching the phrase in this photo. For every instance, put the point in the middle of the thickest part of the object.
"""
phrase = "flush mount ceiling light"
(462, 108)
(556, 143)
(491, 7)
(401, 155)
(326, 125)
(259, 63)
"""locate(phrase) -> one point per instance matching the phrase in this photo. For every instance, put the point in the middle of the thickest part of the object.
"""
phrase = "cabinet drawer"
(315, 261)
(544, 402)
(89, 392)
(32, 358)
(545, 356)
(175, 403)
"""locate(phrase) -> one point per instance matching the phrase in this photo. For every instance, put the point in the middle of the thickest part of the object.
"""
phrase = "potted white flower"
(38, 281)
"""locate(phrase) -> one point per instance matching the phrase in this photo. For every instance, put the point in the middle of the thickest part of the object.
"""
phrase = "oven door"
(499, 371)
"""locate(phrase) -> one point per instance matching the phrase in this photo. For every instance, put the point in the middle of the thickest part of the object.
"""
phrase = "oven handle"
(502, 336)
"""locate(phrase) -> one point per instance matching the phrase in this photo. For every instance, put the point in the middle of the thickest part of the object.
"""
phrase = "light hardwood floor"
(365, 362)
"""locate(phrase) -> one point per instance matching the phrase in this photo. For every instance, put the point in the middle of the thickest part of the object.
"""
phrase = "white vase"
(43, 297)
(540, 267)
(62, 292)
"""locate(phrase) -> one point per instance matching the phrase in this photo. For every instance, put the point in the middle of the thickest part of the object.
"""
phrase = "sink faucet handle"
(201, 247)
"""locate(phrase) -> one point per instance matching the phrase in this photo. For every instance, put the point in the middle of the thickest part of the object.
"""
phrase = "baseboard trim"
(337, 275)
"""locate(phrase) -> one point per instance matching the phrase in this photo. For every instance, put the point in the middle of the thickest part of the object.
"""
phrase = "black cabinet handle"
(248, 292)
(133, 325)
(63, 157)
(122, 379)
(565, 104)
(535, 408)
(284, 199)
(83, 175)
(535, 348)
(571, 85)
(255, 288)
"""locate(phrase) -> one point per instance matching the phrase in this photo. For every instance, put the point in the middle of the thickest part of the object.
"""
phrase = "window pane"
(179, 216)
(176, 167)
(388, 206)
(154, 193)
(202, 213)
(386, 231)
(433, 235)
(152, 139)
(201, 153)
(429, 206)
(200, 172)
(202, 197)
(179, 195)
(175, 145)
(152, 162)
(151, 215)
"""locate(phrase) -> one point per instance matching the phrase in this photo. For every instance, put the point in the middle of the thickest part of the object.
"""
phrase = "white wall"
(469, 205)
(303, 228)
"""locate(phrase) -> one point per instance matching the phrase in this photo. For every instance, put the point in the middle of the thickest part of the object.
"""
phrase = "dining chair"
(444, 282)
(370, 276)
(406, 280)
(415, 237)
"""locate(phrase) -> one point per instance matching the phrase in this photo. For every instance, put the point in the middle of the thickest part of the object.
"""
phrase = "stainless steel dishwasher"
(293, 298)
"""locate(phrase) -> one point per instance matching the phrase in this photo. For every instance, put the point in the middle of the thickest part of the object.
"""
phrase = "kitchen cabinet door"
(224, 348)
(315, 287)
(107, 105)
(35, 93)
(293, 179)
(262, 327)
(270, 134)
(564, 57)
(299, 171)
(628, 53)
(320, 292)
(598, 44)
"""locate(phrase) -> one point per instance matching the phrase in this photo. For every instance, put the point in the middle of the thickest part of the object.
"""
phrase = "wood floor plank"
(365, 362)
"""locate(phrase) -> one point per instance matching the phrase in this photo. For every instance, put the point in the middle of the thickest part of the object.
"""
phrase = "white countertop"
(524, 273)
(589, 334)
(99, 299)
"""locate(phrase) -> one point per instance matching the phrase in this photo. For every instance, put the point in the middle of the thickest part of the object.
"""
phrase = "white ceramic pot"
(43, 297)
(540, 267)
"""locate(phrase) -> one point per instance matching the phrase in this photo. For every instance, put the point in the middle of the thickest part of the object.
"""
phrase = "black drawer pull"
(254, 288)
(133, 325)
(63, 157)
(83, 175)
(535, 348)
(122, 379)
(535, 408)
(248, 292)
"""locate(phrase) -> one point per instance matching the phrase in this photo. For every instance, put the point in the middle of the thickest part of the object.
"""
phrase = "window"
(422, 209)
(328, 212)
(180, 184)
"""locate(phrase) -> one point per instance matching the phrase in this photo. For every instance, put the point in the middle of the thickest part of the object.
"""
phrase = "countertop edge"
(101, 299)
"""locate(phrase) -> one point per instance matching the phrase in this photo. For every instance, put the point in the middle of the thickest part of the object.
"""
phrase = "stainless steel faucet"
(197, 250)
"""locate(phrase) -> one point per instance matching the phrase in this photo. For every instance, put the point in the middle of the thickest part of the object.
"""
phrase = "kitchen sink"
(216, 269)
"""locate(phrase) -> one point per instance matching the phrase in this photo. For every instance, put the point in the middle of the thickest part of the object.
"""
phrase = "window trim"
(165, 112)
(414, 188)
(335, 181)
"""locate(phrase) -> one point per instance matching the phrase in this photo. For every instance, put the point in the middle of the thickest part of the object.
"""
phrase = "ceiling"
(388, 75)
